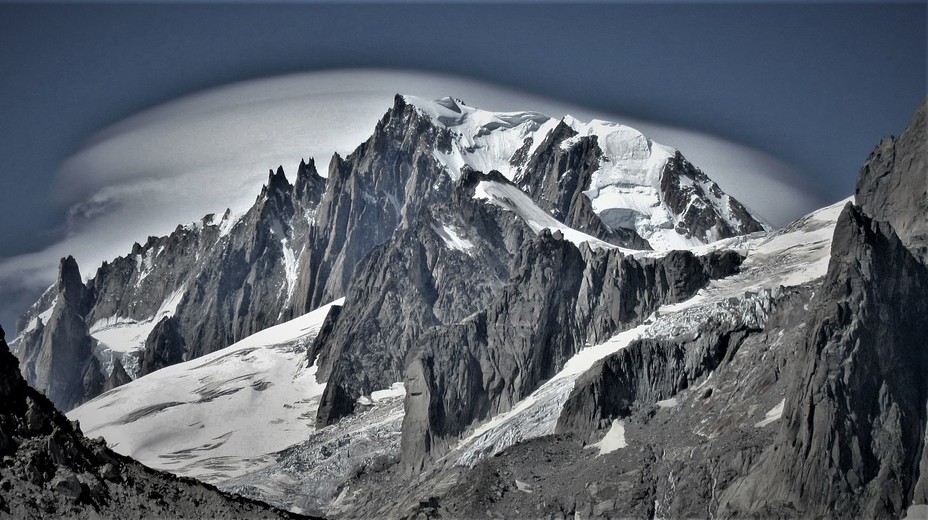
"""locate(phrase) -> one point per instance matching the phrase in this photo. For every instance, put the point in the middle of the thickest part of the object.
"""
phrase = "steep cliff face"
(214, 281)
(893, 183)
(50, 470)
(369, 193)
(57, 356)
(644, 373)
(300, 246)
(854, 419)
(557, 174)
(245, 283)
(551, 307)
(702, 210)
(452, 261)
(165, 346)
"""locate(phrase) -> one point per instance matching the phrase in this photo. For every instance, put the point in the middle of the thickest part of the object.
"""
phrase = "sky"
(812, 87)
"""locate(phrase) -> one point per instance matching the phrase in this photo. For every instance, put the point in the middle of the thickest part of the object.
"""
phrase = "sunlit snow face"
(212, 150)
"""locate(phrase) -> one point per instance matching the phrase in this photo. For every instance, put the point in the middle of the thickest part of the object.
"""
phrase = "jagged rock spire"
(276, 182)
(310, 186)
(70, 285)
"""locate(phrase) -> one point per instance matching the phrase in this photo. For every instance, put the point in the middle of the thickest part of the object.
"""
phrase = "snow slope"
(220, 415)
(515, 200)
(124, 338)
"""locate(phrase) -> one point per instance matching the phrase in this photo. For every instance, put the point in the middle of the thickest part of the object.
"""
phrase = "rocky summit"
(496, 315)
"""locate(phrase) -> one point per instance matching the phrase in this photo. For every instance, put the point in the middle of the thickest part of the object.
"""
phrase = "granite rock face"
(197, 290)
(164, 347)
(301, 245)
(646, 372)
(449, 264)
(243, 285)
(117, 377)
(556, 175)
(368, 195)
(58, 359)
(893, 183)
(49, 470)
(853, 433)
(556, 301)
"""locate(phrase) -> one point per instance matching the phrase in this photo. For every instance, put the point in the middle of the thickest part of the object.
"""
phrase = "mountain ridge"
(218, 281)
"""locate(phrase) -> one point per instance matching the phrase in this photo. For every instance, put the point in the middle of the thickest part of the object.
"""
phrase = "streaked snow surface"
(219, 415)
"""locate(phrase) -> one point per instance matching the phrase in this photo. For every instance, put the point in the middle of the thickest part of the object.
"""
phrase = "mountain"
(215, 282)
(504, 315)
(201, 288)
(50, 469)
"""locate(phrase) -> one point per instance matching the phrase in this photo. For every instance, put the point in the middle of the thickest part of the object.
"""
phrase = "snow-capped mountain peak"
(632, 182)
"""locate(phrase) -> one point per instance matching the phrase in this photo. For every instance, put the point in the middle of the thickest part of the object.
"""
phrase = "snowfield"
(220, 415)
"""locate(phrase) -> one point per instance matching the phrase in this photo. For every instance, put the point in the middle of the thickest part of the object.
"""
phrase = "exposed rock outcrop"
(197, 290)
(852, 436)
(57, 358)
(645, 372)
(686, 190)
(449, 264)
(556, 175)
(369, 192)
(243, 285)
(893, 183)
(164, 347)
(117, 377)
(552, 306)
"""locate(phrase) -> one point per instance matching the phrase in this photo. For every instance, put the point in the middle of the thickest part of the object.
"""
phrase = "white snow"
(206, 163)
(453, 239)
(614, 439)
(484, 140)
(667, 403)
(916, 512)
(228, 222)
(537, 414)
(585, 359)
(624, 189)
(290, 268)
(44, 316)
(124, 338)
(774, 414)
(219, 415)
(513, 199)
(397, 389)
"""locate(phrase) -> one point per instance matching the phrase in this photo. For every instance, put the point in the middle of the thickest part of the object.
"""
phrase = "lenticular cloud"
(210, 151)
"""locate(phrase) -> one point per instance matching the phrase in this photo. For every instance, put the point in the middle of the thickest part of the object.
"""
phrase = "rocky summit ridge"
(214, 282)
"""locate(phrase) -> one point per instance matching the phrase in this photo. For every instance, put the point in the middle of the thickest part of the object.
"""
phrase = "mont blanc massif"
(488, 315)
